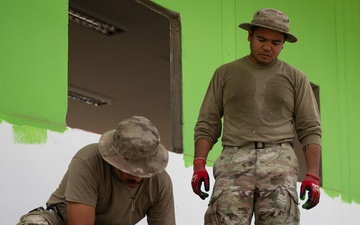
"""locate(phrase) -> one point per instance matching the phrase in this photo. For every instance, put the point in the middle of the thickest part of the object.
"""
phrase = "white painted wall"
(30, 173)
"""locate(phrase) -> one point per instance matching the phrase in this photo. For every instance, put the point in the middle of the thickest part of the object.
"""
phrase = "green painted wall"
(33, 70)
(342, 160)
(326, 52)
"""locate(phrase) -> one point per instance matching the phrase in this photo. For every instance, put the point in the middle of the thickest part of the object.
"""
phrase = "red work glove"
(200, 176)
(310, 184)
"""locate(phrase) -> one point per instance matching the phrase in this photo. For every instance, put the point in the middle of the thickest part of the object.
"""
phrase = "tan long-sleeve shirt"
(266, 103)
(90, 180)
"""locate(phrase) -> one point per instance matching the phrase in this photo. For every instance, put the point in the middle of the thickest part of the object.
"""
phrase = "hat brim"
(289, 37)
(153, 165)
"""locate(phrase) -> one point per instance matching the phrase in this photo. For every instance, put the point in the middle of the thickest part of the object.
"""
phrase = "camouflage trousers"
(40, 216)
(255, 182)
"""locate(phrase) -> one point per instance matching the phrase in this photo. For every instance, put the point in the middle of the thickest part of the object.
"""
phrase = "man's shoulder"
(161, 179)
(89, 149)
(233, 66)
(163, 176)
(286, 65)
(234, 63)
(89, 152)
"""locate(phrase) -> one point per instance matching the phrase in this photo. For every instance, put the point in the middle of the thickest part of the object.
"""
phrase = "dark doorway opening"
(136, 71)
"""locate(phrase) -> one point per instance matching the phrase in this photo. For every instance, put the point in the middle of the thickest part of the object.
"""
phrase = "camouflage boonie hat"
(134, 148)
(272, 19)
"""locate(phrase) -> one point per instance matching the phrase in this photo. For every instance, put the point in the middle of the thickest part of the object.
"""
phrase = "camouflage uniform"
(33, 220)
(250, 101)
(40, 216)
(260, 181)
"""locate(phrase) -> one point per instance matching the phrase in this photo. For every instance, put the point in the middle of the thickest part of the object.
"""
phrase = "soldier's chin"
(133, 184)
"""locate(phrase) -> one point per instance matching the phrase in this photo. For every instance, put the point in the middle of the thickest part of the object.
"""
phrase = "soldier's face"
(128, 179)
(265, 45)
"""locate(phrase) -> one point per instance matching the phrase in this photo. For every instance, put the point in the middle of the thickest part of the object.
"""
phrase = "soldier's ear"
(250, 34)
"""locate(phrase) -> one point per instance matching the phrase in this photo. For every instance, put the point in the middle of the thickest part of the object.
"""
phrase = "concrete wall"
(30, 173)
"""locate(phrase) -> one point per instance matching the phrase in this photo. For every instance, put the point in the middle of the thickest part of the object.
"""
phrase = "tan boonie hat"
(272, 19)
(134, 148)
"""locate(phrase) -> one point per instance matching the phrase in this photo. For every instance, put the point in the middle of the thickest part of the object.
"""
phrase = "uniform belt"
(259, 145)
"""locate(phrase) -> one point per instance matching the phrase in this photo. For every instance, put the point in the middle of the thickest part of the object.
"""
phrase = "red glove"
(310, 184)
(200, 175)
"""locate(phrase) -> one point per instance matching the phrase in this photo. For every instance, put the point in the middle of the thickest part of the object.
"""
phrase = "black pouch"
(41, 216)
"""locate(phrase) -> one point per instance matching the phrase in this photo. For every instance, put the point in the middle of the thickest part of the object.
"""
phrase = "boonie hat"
(272, 19)
(134, 148)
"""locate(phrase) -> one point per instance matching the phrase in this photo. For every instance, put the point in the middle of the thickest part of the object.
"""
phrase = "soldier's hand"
(199, 177)
(310, 185)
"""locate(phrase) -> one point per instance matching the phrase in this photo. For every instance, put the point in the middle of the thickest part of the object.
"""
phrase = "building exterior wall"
(326, 52)
(36, 145)
(33, 75)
